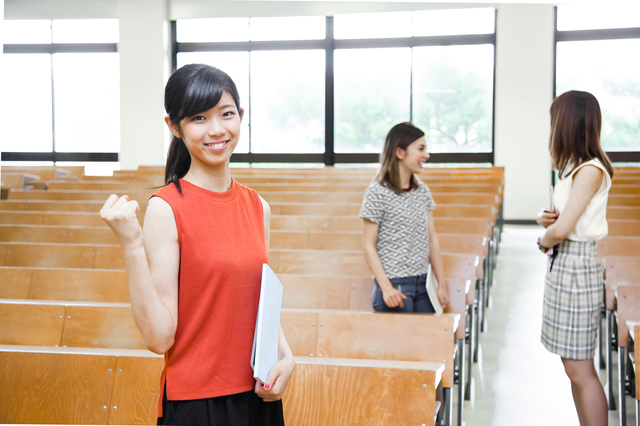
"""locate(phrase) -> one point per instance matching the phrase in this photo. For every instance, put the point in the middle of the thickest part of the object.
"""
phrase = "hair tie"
(173, 178)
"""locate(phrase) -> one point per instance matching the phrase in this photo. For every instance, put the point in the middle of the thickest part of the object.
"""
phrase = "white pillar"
(524, 82)
(142, 63)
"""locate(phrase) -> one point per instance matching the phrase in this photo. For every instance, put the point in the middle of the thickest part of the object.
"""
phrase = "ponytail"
(178, 163)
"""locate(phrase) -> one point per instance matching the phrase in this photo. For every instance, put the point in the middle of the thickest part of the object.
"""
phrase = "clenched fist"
(120, 214)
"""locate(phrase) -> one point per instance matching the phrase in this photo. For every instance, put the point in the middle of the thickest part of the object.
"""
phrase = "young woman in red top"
(194, 270)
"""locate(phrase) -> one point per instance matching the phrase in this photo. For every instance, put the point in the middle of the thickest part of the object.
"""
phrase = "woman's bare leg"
(587, 391)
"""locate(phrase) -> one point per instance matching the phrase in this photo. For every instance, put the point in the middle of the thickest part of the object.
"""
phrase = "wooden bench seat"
(623, 212)
(57, 255)
(614, 200)
(58, 234)
(624, 227)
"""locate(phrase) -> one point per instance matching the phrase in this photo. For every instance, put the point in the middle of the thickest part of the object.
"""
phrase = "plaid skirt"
(573, 298)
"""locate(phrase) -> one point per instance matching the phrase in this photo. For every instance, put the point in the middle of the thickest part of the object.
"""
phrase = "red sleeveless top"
(222, 249)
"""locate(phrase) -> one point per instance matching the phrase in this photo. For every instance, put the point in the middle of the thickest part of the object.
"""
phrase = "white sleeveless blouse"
(592, 225)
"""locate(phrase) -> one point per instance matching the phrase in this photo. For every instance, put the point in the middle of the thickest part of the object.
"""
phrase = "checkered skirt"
(573, 297)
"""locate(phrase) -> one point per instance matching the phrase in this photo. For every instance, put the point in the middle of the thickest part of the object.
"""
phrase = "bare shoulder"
(589, 175)
(266, 209)
(159, 218)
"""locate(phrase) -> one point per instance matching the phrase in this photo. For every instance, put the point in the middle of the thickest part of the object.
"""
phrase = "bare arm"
(435, 258)
(281, 372)
(392, 297)
(586, 183)
(152, 259)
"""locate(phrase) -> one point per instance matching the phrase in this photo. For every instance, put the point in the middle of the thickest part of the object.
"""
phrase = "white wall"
(142, 62)
(524, 72)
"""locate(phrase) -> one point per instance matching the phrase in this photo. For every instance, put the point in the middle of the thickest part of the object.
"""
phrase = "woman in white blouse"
(574, 284)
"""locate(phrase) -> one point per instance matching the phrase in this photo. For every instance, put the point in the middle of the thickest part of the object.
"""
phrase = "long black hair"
(192, 89)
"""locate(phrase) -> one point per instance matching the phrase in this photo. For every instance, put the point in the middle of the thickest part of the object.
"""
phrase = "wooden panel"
(625, 189)
(60, 388)
(91, 235)
(315, 292)
(361, 290)
(72, 195)
(339, 394)
(32, 234)
(462, 266)
(300, 328)
(623, 212)
(14, 282)
(316, 223)
(464, 225)
(623, 200)
(620, 270)
(10, 217)
(31, 324)
(628, 309)
(136, 390)
(50, 255)
(320, 262)
(458, 303)
(466, 210)
(109, 257)
(83, 285)
(312, 197)
(636, 348)
(618, 246)
(48, 205)
(463, 243)
(624, 228)
(314, 209)
(288, 239)
(4, 249)
(101, 327)
(73, 219)
(416, 337)
(9, 381)
(462, 198)
(335, 240)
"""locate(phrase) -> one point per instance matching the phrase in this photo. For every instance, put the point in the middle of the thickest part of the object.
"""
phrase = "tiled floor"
(517, 382)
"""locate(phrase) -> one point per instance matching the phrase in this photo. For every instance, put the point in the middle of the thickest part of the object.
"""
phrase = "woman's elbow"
(160, 346)
(559, 233)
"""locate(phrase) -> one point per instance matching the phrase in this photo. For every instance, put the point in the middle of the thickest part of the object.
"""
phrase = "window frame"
(54, 156)
(329, 45)
(594, 35)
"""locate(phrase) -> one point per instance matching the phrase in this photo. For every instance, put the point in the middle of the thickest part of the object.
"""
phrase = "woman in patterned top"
(399, 237)
(573, 284)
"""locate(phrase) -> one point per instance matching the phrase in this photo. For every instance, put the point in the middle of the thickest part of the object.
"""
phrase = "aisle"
(516, 381)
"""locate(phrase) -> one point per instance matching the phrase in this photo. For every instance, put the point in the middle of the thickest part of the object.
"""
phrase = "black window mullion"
(329, 109)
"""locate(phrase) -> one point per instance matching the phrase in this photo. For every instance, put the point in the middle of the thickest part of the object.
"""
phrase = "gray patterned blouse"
(403, 234)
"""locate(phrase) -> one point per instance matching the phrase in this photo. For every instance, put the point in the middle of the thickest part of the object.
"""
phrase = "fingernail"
(267, 387)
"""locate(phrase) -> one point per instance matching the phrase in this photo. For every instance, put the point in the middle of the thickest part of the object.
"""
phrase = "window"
(328, 89)
(54, 71)
(595, 52)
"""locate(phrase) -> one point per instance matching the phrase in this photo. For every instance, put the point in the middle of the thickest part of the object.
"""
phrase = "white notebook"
(432, 290)
(264, 354)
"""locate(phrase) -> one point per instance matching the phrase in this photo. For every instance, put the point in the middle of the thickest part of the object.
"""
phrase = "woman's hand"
(120, 215)
(279, 376)
(443, 296)
(547, 219)
(393, 297)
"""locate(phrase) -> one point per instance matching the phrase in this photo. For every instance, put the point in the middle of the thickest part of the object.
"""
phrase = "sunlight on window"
(87, 102)
(598, 16)
(85, 31)
(287, 101)
(613, 79)
(453, 22)
(289, 28)
(26, 103)
(26, 32)
(208, 30)
(372, 93)
(372, 25)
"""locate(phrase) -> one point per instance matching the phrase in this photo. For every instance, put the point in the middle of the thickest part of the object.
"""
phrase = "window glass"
(372, 94)
(453, 97)
(236, 64)
(209, 30)
(453, 22)
(613, 79)
(598, 16)
(87, 102)
(26, 103)
(26, 32)
(372, 25)
(85, 30)
(287, 101)
(289, 28)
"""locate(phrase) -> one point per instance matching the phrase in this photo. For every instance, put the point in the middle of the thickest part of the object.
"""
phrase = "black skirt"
(242, 409)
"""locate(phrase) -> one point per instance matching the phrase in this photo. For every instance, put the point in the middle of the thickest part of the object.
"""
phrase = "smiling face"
(212, 135)
(412, 158)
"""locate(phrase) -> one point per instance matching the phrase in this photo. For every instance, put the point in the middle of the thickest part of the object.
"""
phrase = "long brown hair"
(576, 122)
(400, 136)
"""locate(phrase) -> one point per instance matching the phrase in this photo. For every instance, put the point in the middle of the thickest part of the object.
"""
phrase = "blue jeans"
(413, 287)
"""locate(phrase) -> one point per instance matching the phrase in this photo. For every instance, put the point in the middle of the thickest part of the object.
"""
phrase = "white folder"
(264, 354)
(432, 291)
